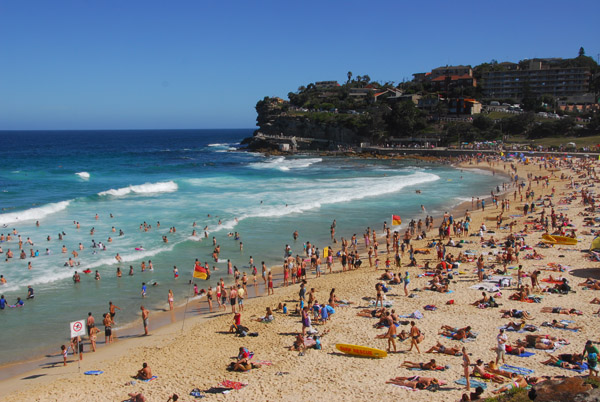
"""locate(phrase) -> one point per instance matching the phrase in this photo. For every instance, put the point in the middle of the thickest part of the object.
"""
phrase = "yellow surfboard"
(363, 351)
(553, 239)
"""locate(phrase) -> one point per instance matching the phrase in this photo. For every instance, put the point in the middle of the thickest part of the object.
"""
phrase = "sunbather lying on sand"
(492, 367)
(560, 310)
(519, 382)
(514, 313)
(439, 348)
(416, 382)
(431, 365)
(516, 326)
(555, 361)
(456, 333)
(480, 371)
(560, 325)
(544, 342)
(378, 312)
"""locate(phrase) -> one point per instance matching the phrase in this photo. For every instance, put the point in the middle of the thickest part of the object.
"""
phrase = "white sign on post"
(77, 328)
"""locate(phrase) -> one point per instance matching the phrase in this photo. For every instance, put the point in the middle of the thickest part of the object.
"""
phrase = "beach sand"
(197, 355)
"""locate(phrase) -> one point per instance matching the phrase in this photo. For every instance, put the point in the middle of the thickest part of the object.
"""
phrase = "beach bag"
(421, 337)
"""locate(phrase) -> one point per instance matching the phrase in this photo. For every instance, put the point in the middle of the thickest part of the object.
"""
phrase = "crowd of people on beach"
(429, 255)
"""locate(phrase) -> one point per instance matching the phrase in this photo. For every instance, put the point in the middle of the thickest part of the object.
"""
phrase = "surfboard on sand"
(362, 351)
(553, 239)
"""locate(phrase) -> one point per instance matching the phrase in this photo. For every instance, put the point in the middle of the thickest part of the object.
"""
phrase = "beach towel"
(232, 384)
(403, 387)
(526, 328)
(582, 368)
(93, 372)
(487, 286)
(525, 354)
(516, 370)
(151, 379)
(555, 282)
(438, 368)
(386, 303)
(474, 383)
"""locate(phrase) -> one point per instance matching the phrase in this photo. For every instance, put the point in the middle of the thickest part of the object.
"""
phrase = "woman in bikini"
(170, 299)
(431, 365)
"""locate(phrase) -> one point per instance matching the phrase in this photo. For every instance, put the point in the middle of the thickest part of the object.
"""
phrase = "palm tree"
(349, 76)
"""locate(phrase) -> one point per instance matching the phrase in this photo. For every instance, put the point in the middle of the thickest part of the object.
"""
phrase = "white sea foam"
(33, 213)
(147, 188)
(137, 255)
(331, 191)
(283, 164)
(83, 175)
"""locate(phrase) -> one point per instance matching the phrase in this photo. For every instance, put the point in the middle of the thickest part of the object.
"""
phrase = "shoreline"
(168, 320)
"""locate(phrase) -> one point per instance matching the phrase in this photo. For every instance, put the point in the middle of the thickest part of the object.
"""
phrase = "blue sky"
(205, 64)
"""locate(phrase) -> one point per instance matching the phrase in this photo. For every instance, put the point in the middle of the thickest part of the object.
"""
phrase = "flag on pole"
(396, 221)
(200, 271)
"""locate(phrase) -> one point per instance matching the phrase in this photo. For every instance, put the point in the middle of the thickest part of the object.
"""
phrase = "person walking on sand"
(466, 367)
(270, 279)
(415, 336)
(501, 349)
(145, 314)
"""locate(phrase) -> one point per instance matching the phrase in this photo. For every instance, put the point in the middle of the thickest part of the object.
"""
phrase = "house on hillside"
(448, 82)
(326, 84)
(451, 70)
(359, 92)
(388, 94)
(579, 103)
(464, 106)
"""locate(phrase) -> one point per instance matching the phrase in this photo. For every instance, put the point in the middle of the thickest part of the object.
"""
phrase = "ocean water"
(178, 177)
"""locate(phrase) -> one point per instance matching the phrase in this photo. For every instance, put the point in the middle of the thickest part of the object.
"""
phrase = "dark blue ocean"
(177, 177)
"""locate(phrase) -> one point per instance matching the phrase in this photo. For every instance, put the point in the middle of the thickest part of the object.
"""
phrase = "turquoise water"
(178, 177)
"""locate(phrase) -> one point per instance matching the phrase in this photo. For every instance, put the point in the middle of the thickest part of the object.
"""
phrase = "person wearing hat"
(592, 352)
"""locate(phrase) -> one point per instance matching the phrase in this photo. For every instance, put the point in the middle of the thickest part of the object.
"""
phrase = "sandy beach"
(197, 354)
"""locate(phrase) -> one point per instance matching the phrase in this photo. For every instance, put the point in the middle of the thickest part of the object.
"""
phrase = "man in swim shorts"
(145, 314)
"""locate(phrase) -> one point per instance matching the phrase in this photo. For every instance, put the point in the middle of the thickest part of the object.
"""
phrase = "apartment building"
(541, 78)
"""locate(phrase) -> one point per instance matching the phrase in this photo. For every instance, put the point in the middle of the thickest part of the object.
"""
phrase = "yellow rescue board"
(362, 351)
(553, 239)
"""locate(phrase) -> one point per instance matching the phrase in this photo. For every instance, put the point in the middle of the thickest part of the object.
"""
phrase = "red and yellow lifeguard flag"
(200, 272)
(396, 221)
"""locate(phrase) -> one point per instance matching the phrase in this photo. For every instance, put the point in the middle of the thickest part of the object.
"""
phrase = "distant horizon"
(153, 64)
(129, 129)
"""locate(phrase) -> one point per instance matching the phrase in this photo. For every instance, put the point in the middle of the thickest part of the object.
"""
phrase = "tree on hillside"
(405, 119)
(482, 122)
(349, 76)
(517, 124)
(461, 132)
(581, 52)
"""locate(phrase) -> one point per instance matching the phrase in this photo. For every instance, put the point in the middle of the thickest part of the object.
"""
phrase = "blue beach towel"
(474, 383)
(525, 354)
(93, 372)
(517, 370)
(583, 367)
(151, 378)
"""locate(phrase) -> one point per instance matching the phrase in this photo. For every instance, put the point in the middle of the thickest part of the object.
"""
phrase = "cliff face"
(299, 126)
